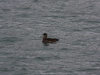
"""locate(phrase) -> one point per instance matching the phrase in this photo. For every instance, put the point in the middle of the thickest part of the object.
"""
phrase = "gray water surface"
(75, 23)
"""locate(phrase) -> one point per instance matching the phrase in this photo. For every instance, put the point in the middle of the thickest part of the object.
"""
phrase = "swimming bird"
(48, 40)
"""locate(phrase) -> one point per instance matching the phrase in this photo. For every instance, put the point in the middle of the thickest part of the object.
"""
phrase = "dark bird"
(48, 40)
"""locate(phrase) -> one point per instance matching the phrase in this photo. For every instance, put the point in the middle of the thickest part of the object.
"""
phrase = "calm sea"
(76, 23)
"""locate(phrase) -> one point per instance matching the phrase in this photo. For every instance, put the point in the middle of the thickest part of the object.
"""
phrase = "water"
(75, 23)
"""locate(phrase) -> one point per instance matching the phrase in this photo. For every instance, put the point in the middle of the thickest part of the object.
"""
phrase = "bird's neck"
(44, 37)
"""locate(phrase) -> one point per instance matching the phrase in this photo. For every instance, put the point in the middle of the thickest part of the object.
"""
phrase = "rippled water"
(75, 23)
